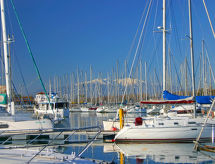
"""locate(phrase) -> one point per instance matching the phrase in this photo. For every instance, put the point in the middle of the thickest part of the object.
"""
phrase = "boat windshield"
(61, 105)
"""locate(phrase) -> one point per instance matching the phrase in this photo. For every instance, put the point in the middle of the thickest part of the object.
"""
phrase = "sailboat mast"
(146, 84)
(6, 57)
(191, 54)
(164, 45)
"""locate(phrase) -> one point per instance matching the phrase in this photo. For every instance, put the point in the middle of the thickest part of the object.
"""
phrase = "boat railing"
(59, 137)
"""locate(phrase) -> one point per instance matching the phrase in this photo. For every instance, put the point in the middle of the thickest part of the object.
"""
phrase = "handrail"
(57, 131)
(90, 143)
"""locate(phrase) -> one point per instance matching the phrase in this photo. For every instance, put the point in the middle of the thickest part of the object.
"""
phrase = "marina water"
(133, 152)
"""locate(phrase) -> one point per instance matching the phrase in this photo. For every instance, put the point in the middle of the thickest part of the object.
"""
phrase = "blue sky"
(66, 34)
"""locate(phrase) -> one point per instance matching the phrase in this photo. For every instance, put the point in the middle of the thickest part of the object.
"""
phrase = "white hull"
(75, 109)
(84, 109)
(180, 132)
(34, 125)
(102, 109)
(60, 113)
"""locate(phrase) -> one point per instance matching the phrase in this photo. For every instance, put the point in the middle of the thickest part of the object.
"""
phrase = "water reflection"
(160, 153)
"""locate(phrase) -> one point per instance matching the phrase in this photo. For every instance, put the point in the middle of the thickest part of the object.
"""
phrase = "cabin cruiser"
(51, 106)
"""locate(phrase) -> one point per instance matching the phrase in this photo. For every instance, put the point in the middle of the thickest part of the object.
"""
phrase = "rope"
(203, 126)
(209, 19)
(29, 49)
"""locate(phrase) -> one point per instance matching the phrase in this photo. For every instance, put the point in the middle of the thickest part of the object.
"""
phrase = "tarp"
(199, 99)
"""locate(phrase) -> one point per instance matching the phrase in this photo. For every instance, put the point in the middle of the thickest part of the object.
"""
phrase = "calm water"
(133, 153)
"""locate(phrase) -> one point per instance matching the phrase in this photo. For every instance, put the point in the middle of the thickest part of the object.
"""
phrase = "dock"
(66, 136)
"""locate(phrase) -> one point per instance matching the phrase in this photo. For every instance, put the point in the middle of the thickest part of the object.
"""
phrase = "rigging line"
(176, 37)
(156, 11)
(159, 83)
(23, 79)
(210, 64)
(177, 74)
(209, 19)
(133, 41)
(198, 65)
(137, 50)
(14, 86)
(19, 96)
(154, 39)
(143, 38)
(154, 53)
(29, 49)
(200, 24)
(9, 18)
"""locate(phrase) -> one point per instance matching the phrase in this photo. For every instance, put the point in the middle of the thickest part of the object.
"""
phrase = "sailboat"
(9, 120)
(164, 128)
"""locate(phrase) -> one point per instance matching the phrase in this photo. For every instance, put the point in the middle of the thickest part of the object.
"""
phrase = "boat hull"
(164, 134)
(29, 125)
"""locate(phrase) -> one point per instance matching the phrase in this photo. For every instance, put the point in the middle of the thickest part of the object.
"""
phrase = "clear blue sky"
(64, 34)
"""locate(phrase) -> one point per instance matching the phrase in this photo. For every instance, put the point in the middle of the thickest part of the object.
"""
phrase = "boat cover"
(199, 99)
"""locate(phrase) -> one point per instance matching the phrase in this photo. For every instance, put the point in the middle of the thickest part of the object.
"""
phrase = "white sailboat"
(9, 120)
(169, 129)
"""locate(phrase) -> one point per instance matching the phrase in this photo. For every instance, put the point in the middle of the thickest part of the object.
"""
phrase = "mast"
(6, 58)
(170, 71)
(192, 56)
(140, 83)
(78, 91)
(164, 45)
(146, 85)
(108, 93)
(126, 80)
(86, 87)
(91, 90)
(185, 75)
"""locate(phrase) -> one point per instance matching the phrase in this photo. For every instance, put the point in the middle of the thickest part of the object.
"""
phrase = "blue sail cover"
(199, 99)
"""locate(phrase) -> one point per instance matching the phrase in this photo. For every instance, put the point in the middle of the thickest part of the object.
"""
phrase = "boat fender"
(138, 121)
(114, 129)
(212, 114)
